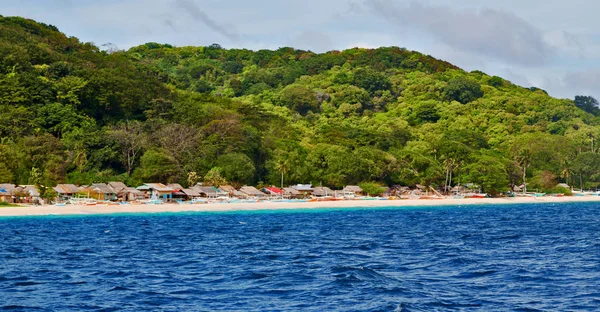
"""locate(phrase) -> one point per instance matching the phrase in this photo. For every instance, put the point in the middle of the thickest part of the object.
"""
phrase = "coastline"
(47, 210)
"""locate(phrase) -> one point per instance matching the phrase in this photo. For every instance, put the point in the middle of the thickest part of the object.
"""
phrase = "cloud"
(490, 33)
(196, 13)
(575, 83)
(313, 40)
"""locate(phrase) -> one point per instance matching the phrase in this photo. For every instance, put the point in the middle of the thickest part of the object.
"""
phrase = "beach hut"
(130, 194)
(304, 189)
(156, 191)
(323, 191)
(178, 192)
(31, 192)
(232, 191)
(100, 191)
(66, 191)
(290, 192)
(251, 191)
(191, 193)
(7, 193)
(352, 190)
(210, 191)
(273, 191)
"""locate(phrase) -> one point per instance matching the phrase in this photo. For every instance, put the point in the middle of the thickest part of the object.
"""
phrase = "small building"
(100, 191)
(322, 191)
(352, 190)
(66, 191)
(7, 193)
(232, 191)
(304, 189)
(191, 193)
(31, 192)
(156, 191)
(178, 192)
(290, 192)
(210, 191)
(273, 191)
(251, 191)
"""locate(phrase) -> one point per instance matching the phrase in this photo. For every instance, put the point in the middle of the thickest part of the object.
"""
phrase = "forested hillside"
(158, 113)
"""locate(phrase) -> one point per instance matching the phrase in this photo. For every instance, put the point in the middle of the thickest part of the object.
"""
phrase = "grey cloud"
(313, 40)
(196, 13)
(487, 32)
(575, 83)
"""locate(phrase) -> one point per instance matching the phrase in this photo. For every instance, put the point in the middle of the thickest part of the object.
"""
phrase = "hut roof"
(191, 192)
(31, 190)
(155, 186)
(130, 190)
(273, 190)
(291, 191)
(227, 188)
(303, 187)
(251, 190)
(102, 188)
(66, 189)
(353, 188)
(323, 191)
(175, 186)
(117, 186)
(9, 189)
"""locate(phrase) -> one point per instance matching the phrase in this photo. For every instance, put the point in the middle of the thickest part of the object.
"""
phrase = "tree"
(588, 104)
(157, 165)
(299, 99)
(236, 167)
(462, 90)
(131, 140)
(489, 173)
(372, 188)
(214, 177)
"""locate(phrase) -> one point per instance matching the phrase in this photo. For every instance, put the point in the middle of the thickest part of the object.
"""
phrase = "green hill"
(159, 113)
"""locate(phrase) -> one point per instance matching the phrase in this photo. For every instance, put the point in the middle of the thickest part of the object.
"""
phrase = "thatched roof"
(209, 190)
(291, 191)
(323, 191)
(130, 190)
(191, 192)
(117, 186)
(63, 189)
(9, 189)
(251, 191)
(102, 188)
(31, 190)
(352, 188)
(175, 186)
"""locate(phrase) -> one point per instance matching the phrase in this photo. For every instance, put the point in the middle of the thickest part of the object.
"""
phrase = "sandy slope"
(106, 209)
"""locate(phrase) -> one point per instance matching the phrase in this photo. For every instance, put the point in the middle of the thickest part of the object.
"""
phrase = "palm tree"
(566, 172)
(282, 166)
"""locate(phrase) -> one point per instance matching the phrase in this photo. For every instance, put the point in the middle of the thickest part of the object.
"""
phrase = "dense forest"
(70, 112)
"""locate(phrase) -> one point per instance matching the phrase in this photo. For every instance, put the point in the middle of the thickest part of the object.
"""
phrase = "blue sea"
(475, 258)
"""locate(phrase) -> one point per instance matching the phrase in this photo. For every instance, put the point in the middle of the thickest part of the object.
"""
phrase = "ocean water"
(490, 258)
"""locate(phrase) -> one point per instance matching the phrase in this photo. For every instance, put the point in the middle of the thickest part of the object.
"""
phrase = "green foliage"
(462, 90)
(372, 188)
(156, 113)
(213, 177)
(588, 104)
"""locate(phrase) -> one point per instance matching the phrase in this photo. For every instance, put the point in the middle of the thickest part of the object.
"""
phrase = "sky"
(550, 44)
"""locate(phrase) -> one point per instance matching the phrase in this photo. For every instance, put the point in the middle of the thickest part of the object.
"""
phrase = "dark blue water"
(496, 258)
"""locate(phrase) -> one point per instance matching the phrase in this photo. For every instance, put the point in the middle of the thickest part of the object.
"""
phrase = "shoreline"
(47, 210)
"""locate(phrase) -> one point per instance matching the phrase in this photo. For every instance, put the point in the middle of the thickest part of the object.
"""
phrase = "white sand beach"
(111, 209)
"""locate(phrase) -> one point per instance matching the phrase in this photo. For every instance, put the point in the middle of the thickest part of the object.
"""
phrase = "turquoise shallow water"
(517, 257)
